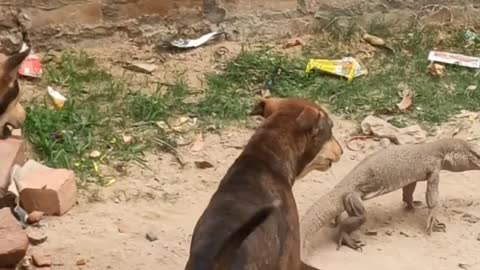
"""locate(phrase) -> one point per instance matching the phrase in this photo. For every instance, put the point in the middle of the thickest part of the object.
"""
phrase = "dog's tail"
(227, 252)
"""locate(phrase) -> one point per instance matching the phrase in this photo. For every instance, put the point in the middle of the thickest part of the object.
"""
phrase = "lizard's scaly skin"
(388, 170)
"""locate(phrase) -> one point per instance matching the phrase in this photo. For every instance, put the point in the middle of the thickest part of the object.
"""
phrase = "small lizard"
(392, 168)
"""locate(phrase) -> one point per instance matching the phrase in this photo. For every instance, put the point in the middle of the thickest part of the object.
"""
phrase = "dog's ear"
(10, 67)
(309, 119)
(224, 258)
(259, 108)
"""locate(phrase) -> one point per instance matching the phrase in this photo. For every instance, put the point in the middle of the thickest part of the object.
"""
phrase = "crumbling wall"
(59, 23)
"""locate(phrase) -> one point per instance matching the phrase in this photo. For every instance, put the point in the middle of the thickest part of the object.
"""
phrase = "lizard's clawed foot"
(434, 225)
(439, 226)
(347, 240)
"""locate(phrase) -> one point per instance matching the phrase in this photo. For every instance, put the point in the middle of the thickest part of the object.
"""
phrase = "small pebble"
(151, 236)
(34, 217)
(478, 237)
(371, 233)
(36, 237)
(404, 234)
(81, 262)
(389, 233)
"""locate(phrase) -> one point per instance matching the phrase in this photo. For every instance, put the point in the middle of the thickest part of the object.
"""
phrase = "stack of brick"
(41, 190)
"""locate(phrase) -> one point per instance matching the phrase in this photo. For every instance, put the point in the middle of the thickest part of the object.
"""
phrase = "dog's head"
(12, 114)
(311, 127)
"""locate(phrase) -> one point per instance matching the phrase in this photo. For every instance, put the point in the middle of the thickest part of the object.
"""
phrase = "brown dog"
(12, 114)
(251, 222)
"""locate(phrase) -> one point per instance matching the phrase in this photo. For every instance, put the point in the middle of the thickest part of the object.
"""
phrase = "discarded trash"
(58, 99)
(293, 42)
(436, 69)
(95, 154)
(371, 233)
(407, 100)
(31, 66)
(471, 87)
(194, 43)
(346, 67)
(454, 59)
(127, 139)
(380, 128)
(471, 36)
(140, 67)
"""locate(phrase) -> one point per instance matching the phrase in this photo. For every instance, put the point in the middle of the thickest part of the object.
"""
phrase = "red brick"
(14, 240)
(12, 151)
(41, 260)
(52, 191)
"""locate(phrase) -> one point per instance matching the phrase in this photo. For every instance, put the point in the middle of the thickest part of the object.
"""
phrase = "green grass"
(101, 108)
(436, 99)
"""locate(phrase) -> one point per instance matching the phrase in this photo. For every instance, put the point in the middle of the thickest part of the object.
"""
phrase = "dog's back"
(292, 134)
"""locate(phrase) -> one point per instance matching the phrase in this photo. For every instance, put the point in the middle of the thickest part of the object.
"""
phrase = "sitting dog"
(12, 114)
(251, 221)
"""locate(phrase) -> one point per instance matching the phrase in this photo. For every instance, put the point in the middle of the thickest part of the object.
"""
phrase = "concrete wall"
(58, 23)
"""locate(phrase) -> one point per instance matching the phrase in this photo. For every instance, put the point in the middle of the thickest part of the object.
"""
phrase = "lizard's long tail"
(320, 213)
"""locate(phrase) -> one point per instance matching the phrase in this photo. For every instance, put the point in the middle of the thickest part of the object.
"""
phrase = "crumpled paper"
(414, 134)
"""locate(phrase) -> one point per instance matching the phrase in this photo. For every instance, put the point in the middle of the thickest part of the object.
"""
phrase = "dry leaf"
(437, 69)
(203, 164)
(407, 100)
(373, 40)
(198, 144)
(293, 42)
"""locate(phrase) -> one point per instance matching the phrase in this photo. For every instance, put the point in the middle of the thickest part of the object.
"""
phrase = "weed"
(99, 111)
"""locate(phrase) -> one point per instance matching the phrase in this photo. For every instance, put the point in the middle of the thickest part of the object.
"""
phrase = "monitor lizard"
(392, 168)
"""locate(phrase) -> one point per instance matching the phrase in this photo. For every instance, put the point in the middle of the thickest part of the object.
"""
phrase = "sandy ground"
(166, 201)
(108, 227)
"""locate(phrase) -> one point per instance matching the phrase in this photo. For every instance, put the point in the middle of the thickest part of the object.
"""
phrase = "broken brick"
(52, 191)
(14, 240)
(35, 217)
(12, 151)
(41, 260)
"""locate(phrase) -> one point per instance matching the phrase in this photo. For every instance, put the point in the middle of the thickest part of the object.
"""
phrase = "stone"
(81, 262)
(12, 151)
(141, 67)
(36, 236)
(14, 240)
(41, 260)
(52, 191)
(35, 217)
(151, 236)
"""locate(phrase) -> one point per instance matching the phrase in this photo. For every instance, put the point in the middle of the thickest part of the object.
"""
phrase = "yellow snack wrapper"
(347, 67)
